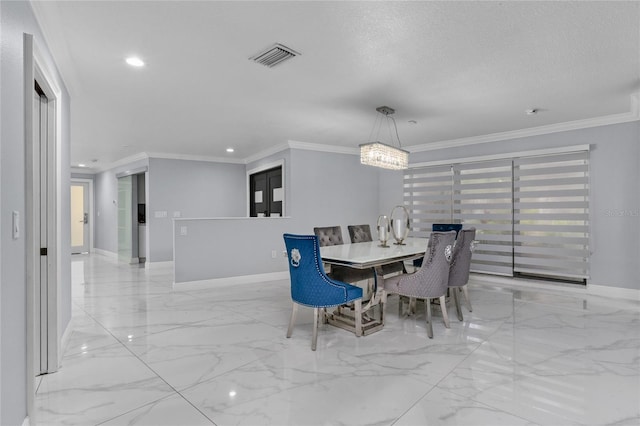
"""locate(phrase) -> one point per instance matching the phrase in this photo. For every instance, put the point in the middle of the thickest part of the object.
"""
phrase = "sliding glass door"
(531, 213)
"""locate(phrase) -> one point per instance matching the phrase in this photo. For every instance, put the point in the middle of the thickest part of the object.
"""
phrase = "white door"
(44, 308)
(79, 217)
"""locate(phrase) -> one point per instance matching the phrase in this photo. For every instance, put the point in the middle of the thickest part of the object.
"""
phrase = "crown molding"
(266, 153)
(632, 115)
(187, 157)
(324, 148)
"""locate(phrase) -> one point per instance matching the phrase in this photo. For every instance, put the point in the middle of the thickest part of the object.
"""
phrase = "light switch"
(183, 230)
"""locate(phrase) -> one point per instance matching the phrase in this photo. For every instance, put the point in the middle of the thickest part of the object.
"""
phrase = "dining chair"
(431, 281)
(361, 234)
(332, 236)
(460, 266)
(310, 286)
(441, 227)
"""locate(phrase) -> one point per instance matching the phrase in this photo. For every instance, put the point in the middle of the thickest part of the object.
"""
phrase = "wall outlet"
(183, 230)
(274, 254)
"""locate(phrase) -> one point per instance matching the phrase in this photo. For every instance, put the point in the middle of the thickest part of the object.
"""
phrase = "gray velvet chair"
(331, 236)
(460, 266)
(431, 281)
(361, 234)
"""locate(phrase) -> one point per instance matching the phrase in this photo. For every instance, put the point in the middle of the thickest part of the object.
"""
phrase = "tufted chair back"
(359, 233)
(329, 235)
(461, 258)
(310, 286)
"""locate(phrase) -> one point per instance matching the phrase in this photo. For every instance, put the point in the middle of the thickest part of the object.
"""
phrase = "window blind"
(551, 215)
(531, 213)
(483, 198)
(427, 195)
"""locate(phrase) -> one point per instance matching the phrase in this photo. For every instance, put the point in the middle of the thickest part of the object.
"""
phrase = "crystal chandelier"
(382, 155)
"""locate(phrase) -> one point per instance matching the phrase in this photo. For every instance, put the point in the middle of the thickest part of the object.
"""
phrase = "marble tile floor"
(143, 351)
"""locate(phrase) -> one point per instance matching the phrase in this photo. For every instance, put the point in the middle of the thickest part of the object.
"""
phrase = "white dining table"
(370, 254)
(363, 256)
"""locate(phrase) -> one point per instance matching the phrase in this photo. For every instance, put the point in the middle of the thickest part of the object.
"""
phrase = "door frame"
(35, 69)
(91, 206)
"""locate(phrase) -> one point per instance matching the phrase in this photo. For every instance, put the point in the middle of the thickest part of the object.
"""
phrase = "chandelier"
(378, 154)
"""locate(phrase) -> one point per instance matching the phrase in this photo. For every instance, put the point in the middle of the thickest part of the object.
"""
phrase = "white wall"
(17, 18)
(614, 192)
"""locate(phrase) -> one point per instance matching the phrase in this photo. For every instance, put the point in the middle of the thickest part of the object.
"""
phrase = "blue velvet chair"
(310, 285)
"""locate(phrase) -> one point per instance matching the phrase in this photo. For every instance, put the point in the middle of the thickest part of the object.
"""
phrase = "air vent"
(274, 55)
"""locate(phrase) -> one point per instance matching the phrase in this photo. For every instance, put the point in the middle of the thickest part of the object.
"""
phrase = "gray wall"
(106, 208)
(324, 189)
(193, 188)
(614, 192)
(333, 189)
(17, 18)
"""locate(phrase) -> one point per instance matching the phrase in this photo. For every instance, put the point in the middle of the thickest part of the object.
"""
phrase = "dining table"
(365, 255)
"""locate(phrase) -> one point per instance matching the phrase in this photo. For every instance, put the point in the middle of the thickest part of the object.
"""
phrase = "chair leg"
(292, 319)
(466, 297)
(314, 338)
(443, 307)
(358, 317)
(456, 300)
(412, 305)
(427, 308)
(383, 304)
(325, 316)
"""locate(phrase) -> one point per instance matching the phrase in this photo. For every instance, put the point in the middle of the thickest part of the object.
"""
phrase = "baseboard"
(154, 265)
(106, 253)
(614, 292)
(589, 289)
(240, 279)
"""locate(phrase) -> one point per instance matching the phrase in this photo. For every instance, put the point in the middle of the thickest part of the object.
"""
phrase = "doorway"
(266, 194)
(43, 219)
(80, 217)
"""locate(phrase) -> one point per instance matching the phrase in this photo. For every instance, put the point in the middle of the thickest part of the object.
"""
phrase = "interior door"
(79, 217)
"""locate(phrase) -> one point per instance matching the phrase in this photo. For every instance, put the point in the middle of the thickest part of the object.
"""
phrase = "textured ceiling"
(459, 69)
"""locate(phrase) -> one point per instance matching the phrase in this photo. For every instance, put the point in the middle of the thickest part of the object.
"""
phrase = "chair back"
(432, 279)
(461, 258)
(360, 233)
(310, 285)
(329, 235)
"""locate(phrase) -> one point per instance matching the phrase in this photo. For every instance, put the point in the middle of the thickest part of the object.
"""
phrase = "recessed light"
(82, 165)
(413, 122)
(134, 61)
(230, 149)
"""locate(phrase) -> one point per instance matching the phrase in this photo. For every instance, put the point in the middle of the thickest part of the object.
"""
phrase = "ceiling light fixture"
(134, 61)
(230, 150)
(82, 165)
(378, 154)
(532, 111)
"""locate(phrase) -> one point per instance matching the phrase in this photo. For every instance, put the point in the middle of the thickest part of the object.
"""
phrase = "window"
(531, 213)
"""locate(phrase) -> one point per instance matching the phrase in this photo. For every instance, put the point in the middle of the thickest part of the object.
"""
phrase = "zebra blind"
(483, 198)
(551, 215)
(427, 195)
(531, 213)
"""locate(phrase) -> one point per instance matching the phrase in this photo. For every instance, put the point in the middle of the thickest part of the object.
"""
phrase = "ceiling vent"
(274, 55)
